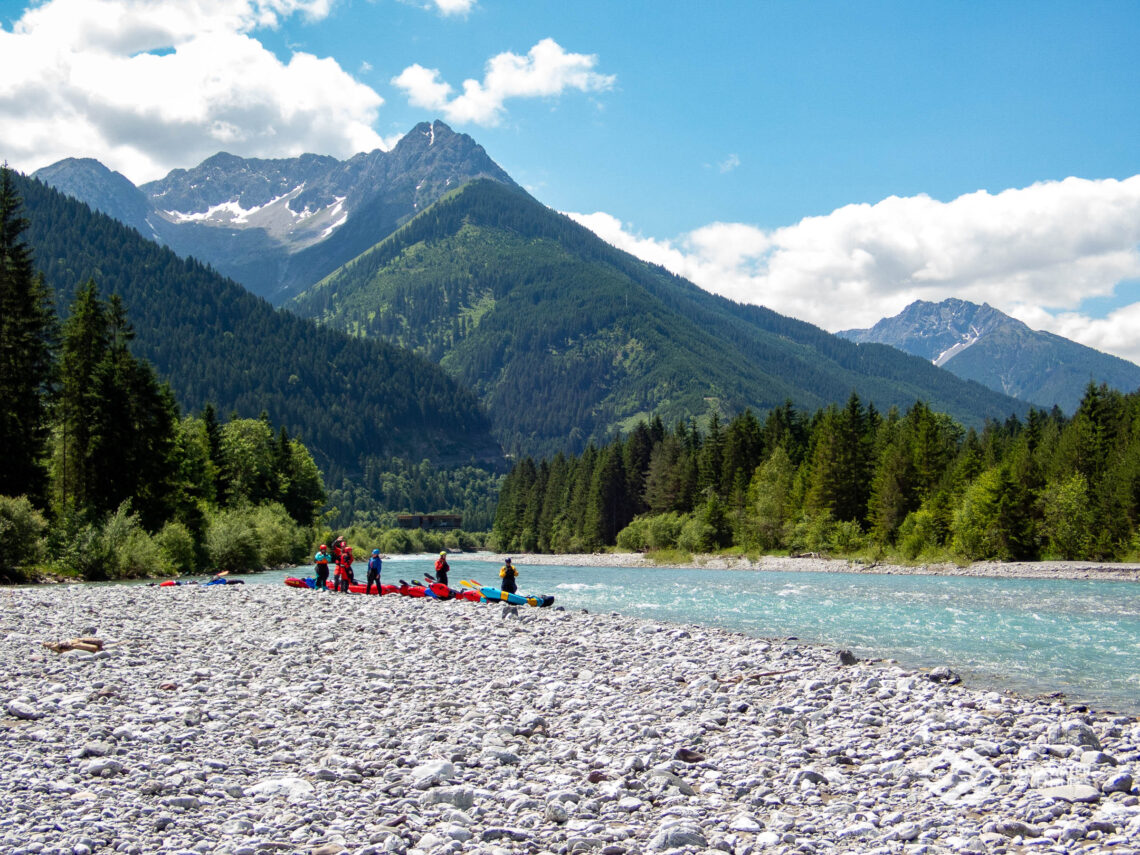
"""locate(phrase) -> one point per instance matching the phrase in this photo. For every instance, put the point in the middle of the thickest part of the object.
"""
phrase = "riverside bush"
(279, 539)
(139, 555)
(231, 541)
(177, 545)
(22, 530)
(657, 532)
(402, 541)
(918, 534)
(697, 536)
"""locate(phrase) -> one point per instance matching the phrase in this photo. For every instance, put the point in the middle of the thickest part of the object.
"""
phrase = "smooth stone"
(21, 710)
(1072, 793)
(1120, 782)
(432, 774)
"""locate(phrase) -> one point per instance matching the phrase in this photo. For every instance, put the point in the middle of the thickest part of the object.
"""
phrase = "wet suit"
(321, 560)
(508, 573)
(441, 569)
(375, 563)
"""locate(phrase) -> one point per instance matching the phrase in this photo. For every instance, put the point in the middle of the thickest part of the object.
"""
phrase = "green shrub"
(22, 530)
(280, 540)
(117, 548)
(177, 545)
(138, 556)
(1068, 517)
(232, 541)
(916, 534)
(635, 536)
(665, 530)
(660, 531)
(697, 535)
(398, 541)
(812, 532)
(845, 537)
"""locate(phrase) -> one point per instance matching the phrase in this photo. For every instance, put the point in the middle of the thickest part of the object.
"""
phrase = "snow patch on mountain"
(948, 354)
(230, 211)
(338, 214)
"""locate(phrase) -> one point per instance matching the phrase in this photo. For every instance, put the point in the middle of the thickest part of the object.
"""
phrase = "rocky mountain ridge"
(279, 225)
(978, 342)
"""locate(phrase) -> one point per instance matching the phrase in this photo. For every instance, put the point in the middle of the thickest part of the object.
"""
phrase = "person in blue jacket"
(375, 564)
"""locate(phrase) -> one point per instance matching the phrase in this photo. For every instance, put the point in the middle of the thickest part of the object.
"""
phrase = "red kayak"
(358, 588)
(412, 590)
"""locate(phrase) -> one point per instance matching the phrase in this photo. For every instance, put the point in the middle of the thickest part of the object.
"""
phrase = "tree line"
(101, 475)
(846, 480)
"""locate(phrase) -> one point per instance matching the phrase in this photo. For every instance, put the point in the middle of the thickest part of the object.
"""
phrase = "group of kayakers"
(340, 557)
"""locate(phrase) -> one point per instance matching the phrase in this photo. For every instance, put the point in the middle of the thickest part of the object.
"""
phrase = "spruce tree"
(27, 341)
(84, 345)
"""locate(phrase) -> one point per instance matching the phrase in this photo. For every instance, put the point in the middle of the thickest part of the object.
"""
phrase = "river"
(1032, 636)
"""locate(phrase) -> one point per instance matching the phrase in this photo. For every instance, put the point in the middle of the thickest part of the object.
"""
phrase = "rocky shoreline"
(240, 720)
(816, 564)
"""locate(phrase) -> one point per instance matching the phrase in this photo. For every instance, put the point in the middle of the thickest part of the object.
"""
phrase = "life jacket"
(321, 559)
(441, 565)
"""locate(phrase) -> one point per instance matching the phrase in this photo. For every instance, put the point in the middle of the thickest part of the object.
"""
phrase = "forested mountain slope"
(352, 402)
(566, 338)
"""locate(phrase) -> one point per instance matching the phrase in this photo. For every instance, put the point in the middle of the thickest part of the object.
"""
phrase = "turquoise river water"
(1032, 636)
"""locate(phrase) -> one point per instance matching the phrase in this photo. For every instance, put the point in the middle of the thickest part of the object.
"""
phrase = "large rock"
(1072, 793)
(1074, 733)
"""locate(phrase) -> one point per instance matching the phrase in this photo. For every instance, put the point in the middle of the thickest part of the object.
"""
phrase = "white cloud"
(147, 85)
(729, 163)
(547, 70)
(1035, 253)
(454, 7)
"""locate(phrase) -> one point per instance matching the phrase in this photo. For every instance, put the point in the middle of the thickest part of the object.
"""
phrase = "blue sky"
(833, 160)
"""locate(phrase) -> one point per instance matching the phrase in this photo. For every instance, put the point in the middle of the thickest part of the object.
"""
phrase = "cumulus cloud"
(454, 7)
(1036, 253)
(547, 70)
(147, 85)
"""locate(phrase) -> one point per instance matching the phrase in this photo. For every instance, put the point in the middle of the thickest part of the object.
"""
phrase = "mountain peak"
(977, 342)
(103, 190)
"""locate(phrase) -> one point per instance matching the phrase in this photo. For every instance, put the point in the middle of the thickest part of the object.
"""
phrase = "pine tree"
(85, 341)
(27, 341)
(608, 511)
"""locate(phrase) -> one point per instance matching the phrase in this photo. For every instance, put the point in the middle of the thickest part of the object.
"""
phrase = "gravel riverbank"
(254, 719)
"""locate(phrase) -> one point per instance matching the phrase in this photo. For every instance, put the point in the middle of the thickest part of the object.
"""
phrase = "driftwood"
(737, 678)
(91, 645)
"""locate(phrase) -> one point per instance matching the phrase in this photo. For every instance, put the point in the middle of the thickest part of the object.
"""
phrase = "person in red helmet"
(321, 562)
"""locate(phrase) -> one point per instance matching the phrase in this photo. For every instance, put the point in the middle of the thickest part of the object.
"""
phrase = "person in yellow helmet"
(508, 574)
(442, 568)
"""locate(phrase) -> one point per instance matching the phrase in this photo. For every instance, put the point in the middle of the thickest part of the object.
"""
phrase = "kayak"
(497, 595)
(435, 591)
(439, 591)
(174, 583)
(412, 590)
(439, 588)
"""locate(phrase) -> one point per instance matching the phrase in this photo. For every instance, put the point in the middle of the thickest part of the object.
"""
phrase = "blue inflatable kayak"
(496, 595)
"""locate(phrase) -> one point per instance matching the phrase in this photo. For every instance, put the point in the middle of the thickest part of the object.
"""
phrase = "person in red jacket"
(442, 568)
(344, 570)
